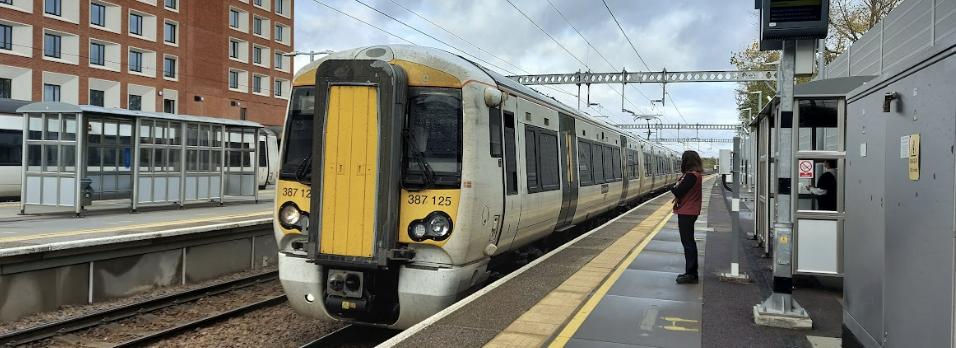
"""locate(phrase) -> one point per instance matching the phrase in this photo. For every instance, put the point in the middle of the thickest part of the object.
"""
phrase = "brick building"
(218, 58)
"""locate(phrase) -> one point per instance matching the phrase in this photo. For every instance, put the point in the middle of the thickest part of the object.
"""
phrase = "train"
(406, 172)
(11, 151)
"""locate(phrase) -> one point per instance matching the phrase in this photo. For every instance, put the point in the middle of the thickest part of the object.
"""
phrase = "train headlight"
(290, 216)
(439, 225)
(436, 226)
(417, 231)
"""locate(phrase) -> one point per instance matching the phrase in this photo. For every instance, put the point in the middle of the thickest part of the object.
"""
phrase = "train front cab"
(382, 190)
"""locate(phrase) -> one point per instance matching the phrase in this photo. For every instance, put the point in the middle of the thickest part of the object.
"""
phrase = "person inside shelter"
(826, 190)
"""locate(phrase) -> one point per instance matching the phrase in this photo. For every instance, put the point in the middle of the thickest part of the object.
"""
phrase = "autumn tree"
(849, 20)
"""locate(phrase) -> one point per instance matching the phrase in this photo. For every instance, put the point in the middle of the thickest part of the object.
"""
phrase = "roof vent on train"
(378, 52)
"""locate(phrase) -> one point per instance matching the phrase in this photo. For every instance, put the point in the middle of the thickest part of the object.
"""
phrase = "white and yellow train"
(406, 171)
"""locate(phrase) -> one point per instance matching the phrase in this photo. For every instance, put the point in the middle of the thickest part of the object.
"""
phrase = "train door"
(569, 175)
(512, 210)
(626, 179)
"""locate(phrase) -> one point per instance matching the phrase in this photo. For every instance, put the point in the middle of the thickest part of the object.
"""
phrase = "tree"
(849, 20)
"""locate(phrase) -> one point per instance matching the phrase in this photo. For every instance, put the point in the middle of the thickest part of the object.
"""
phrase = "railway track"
(64, 330)
(352, 336)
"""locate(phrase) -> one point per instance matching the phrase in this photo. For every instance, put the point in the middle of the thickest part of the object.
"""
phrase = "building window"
(51, 92)
(169, 106)
(256, 84)
(170, 33)
(136, 61)
(51, 45)
(234, 18)
(278, 88)
(257, 55)
(279, 33)
(234, 49)
(257, 26)
(97, 54)
(233, 79)
(169, 67)
(6, 37)
(257, 2)
(136, 24)
(52, 7)
(135, 102)
(98, 14)
(171, 4)
(8, 2)
(5, 87)
(278, 60)
(96, 97)
(280, 7)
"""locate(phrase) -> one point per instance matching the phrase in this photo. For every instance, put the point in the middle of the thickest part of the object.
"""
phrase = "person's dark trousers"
(685, 223)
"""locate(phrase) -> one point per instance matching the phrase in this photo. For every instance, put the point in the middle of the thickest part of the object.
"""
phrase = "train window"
(434, 126)
(494, 131)
(159, 160)
(531, 156)
(597, 162)
(548, 166)
(511, 161)
(33, 160)
(263, 157)
(616, 161)
(647, 165)
(608, 164)
(11, 148)
(584, 162)
(145, 159)
(299, 128)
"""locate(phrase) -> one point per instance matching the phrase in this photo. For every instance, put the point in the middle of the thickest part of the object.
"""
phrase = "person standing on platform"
(687, 202)
(825, 192)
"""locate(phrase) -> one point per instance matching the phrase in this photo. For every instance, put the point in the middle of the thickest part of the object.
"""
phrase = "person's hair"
(831, 163)
(690, 161)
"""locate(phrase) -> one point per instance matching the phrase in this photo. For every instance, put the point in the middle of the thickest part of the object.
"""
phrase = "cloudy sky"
(677, 35)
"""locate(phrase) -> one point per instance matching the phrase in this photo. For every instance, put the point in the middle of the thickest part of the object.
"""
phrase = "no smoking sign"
(806, 169)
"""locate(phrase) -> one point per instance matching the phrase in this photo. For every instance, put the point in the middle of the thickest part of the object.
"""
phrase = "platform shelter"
(77, 154)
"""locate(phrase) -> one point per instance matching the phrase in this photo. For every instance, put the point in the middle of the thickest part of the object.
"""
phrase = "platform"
(615, 288)
(46, 225)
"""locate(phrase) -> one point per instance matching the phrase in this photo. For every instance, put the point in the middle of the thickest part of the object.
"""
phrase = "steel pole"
(735, 207)
(781, 302)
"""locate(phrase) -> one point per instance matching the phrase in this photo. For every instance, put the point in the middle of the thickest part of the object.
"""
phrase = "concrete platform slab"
(579, 343)
(656, 285)
(660, 261)
(643, 321)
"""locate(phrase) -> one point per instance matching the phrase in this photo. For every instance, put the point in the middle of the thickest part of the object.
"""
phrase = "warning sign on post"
(806, 169)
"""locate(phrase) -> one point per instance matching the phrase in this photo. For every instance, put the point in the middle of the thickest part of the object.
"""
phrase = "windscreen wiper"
(303, 169)
(422, 162)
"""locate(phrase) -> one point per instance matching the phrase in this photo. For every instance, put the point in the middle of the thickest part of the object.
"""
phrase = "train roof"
(446, 60)
(10, 106)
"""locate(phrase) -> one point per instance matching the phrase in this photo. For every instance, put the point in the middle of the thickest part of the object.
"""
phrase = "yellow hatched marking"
(348, 204)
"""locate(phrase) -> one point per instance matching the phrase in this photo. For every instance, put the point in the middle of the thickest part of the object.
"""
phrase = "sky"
(521, 37)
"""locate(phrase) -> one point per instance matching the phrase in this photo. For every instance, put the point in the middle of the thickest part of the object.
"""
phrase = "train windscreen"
(298, 137)
(433, 138)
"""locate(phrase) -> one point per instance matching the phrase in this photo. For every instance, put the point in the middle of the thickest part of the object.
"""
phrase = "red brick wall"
(203, 53)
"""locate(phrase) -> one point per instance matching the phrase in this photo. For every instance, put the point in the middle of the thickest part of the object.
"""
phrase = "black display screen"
(787, 11)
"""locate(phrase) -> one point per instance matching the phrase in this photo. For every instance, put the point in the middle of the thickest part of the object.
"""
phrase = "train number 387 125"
(426, 199)
(294, 192)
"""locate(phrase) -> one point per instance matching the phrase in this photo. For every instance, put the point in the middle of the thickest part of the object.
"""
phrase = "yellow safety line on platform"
(582, 314)
(544, 319)
(127, 227)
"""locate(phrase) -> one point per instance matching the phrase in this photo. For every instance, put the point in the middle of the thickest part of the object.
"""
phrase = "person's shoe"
(687, 279)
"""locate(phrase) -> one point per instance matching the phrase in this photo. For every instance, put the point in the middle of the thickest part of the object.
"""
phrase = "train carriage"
(405, 171)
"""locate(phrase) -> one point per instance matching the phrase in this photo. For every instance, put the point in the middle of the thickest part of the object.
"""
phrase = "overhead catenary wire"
(639, 54)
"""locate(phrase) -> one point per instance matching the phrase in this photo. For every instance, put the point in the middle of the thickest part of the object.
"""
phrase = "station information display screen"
(795, 10)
